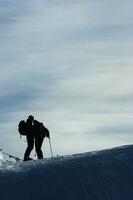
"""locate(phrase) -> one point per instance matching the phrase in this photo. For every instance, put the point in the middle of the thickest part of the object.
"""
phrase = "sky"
(69, 63)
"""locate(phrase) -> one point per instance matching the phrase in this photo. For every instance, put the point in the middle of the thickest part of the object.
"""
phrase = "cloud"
(70, 64)
(115, 129)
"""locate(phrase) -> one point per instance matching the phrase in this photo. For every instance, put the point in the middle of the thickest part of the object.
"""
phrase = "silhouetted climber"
(29, 137)
(39, 132)
(35, 133)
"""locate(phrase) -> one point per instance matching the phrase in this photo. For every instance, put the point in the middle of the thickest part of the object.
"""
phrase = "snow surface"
(102, 175)
(1, 156)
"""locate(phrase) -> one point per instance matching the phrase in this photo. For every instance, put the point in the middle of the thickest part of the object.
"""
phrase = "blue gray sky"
(69, 63)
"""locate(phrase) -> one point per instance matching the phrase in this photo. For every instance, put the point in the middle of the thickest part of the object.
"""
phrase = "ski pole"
(50, 148)
(10, 156)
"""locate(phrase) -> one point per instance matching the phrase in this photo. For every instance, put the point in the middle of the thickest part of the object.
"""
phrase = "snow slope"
(102, 175)
(1, 157)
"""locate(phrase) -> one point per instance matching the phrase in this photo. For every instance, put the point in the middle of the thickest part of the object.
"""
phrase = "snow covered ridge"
(102, 175)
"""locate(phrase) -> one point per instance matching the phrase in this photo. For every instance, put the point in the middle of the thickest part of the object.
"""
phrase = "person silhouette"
(29, 137)
(35, 134)
(39, 137)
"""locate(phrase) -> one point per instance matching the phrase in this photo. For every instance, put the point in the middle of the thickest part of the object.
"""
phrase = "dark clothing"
(38, 145)
(38, 139)
(35, 134)
(29, 128)
(30, 143)
(30, 139)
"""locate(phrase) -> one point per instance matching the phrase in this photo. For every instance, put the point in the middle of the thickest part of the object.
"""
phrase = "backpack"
(43, 130)
(22, 128)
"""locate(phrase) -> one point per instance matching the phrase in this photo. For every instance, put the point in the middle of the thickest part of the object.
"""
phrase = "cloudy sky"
(69, 63)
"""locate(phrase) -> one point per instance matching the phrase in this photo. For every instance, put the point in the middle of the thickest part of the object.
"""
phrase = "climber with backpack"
(40, 132)
(26, 128)
(35, 133)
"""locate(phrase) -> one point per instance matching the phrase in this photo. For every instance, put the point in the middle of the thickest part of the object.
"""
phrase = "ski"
(14, 157)
(11, 156)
